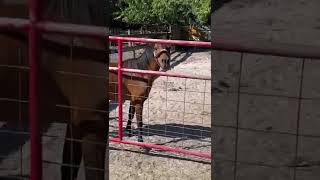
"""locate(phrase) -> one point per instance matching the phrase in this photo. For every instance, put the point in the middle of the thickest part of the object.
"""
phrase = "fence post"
(129, 33)
(169, 32)
(120, 88)
(33, 50)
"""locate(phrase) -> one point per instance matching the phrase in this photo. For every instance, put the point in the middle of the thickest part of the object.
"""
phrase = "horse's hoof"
(145, 149)
(129, 132)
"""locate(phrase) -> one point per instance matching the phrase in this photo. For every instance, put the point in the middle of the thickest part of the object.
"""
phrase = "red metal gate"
(34, 26)
(120, 70)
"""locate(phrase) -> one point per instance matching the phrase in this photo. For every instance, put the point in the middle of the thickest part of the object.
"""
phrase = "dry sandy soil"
(177, 114)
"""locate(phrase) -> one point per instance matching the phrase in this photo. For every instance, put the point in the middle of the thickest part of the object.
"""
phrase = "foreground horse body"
(82, 94)
(136, 87)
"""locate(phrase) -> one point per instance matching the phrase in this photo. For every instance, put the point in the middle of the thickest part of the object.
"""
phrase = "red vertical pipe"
(35, 139)
(120, 88)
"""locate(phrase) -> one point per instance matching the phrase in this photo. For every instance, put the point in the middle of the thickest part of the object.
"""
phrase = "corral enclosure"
(186, 109)
(176, 114)
(266, 108)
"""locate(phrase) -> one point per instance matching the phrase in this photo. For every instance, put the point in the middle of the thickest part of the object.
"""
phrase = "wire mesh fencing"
(262, 105)
(176, 112)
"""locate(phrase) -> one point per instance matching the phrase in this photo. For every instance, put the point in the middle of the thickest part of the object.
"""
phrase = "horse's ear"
(155, 46)
(168, 47)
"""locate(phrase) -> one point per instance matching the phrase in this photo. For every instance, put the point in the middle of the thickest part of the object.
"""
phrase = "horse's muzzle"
(166, 68)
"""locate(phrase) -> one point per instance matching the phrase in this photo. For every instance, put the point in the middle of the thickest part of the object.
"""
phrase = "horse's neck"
(144, 62)
(71, 11)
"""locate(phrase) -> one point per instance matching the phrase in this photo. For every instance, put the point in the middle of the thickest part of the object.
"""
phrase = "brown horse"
(78, 101)
(136, 88)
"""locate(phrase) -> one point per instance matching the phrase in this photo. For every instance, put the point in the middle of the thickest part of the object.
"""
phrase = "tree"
(166, 12)
(202, 9)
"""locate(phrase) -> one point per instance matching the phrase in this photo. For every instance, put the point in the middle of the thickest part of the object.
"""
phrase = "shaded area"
(151, 153)
(175, 61)
(14, 177)
(172, 130)
(11, 140)
(217, 4)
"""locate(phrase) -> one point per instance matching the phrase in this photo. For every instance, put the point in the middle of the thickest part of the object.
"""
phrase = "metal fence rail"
(236, 44)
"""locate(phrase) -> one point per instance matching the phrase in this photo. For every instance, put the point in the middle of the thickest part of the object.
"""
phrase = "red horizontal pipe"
(263, 47)
(147, 72)
(13, 24)
(164, 148)
(73, 29)
(163, 41)
(147, 34)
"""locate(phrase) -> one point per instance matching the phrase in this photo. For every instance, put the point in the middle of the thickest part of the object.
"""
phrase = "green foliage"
(168, 12)
(135, 11)
(201, 9)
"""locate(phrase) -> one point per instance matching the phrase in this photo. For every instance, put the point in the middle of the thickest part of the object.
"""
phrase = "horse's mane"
(85, 12)
(142, 61)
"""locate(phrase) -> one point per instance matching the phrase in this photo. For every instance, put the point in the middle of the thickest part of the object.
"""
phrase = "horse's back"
(13, 10)
(14, 77)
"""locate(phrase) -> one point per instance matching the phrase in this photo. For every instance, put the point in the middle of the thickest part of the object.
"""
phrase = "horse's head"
(162, 55)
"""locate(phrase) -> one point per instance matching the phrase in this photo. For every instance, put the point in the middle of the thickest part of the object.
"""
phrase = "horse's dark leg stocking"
(72, 154)
(139, 109)
(131, 115)
(94, 150)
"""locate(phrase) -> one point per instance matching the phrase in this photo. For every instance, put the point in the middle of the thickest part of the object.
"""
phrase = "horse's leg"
(92, 95)
(94, 150)
(131, 115)
(139, 108)
(93, 138)
(72, 153)
(88, 98)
